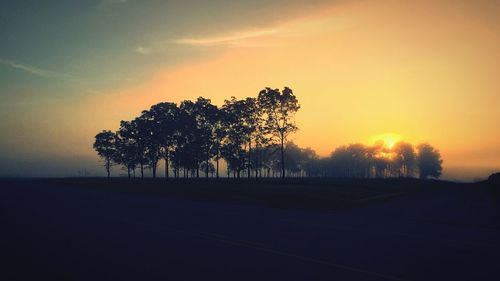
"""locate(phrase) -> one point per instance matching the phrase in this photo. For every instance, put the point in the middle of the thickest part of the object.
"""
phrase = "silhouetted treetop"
(278, 110)
(429, 161)
(105, 145)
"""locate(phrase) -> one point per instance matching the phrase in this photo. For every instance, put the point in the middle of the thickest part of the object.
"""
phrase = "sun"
(389, 139)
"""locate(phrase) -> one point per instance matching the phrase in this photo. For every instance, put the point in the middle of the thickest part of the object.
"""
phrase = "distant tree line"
(376, 161)
(251, 136)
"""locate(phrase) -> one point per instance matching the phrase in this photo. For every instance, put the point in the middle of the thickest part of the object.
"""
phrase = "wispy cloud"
(273, 35)
(245, 38)
(35, 70)
(50, 74)
(142, 50)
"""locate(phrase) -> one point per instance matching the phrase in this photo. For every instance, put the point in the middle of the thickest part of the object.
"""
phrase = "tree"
(187, 152)
(298, 160)
(198, 131)
(233, 149)
(307, 159)
(278, 110)
(404, 158)
(351, 161)
(127, 147)
(250, 117)
(206, 114)
(264, 157)
(429, 161)
(165, 116)
(220, 133)
(151, 134)
(105, 145)
(132, 146)
(379, 161)
(138, 132)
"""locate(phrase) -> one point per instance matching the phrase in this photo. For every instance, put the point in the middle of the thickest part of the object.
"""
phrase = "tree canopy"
(429, 161)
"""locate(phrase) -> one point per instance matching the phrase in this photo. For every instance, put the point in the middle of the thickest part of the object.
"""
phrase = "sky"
(425, 71)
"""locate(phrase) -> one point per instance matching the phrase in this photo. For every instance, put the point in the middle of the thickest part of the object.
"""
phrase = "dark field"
(315, 229)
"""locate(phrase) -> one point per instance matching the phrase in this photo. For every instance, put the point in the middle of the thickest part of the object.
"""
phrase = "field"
(314, 229)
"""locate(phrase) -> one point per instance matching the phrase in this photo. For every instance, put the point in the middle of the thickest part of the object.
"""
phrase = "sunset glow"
(389, 139)
(250, 139)
(423, 71)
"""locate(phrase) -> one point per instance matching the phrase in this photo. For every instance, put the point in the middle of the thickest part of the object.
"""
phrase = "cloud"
(245, 38)
(35, 70)
(86, 86)
(142, 50)
(321, 22)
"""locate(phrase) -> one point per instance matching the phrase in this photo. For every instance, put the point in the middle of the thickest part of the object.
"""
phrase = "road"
(81, 234)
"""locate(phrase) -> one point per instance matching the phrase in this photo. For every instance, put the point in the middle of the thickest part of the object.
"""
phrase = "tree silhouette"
(205, 114)
(249, 134)
(127, 147)
(237, 135)
(429, 161)
(150, 131)
(249, 117)
(299, 160)
(405, 158)
(187, 153)
(379, 163)
(165, 115)
(140, 132)
(351, 161)
(278, 110)
(219, 133)
(105, 145)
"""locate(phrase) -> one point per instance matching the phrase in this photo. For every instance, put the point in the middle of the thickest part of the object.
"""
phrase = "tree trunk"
(142, 171)
(282, 158)
(249, 156)
(256, 163)
(217, 169)
(166, 167)
(108, 165)
(128, 172)
(206, 168)
(154, 170)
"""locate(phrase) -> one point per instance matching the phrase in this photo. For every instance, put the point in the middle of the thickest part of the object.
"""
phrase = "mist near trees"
(378, 161)
(251, 136)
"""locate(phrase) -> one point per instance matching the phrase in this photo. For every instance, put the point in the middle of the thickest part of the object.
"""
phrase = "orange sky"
(424, 70)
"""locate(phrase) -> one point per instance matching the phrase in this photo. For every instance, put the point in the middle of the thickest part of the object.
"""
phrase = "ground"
(75, 229)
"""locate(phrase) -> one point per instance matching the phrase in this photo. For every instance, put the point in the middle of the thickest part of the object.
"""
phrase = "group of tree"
(251, 136)
(379, 161)
(196, 135)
